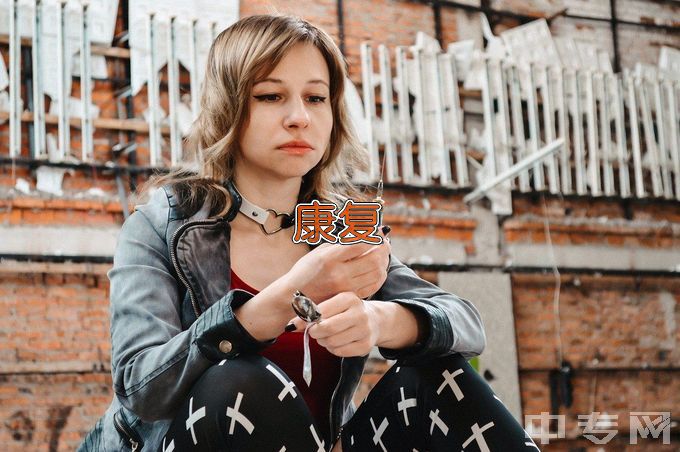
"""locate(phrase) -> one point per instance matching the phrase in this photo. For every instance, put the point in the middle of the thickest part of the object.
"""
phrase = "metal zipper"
(124, 430)
(337, 438)
(173, 258)
(330, 413)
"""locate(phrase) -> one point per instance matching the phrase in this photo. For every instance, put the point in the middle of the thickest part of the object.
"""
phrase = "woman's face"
(290, 118)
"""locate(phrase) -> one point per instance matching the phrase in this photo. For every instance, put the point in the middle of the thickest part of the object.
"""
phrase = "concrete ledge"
(427, 250)
(70, 268)
(592, 256)
(57, 241)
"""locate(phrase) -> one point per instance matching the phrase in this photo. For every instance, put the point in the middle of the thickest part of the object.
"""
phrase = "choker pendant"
(260, 216)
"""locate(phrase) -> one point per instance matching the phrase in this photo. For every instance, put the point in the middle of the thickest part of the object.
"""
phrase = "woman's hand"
(349, 326)
(334, 268)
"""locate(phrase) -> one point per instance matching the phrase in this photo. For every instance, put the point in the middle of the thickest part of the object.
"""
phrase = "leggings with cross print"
(249, 404)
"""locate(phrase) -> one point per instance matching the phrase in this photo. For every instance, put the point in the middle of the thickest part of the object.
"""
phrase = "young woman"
(204, 356)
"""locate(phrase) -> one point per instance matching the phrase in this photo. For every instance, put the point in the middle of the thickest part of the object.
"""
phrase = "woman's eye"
(267, 97)
(317, 99)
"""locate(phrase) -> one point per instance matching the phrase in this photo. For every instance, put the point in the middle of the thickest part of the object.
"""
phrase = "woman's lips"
(298, 150)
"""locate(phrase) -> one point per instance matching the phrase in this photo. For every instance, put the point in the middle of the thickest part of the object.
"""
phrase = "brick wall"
(55, 322)
(620, 331)
(50, 411)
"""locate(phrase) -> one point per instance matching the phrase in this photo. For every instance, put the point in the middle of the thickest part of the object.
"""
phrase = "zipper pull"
(134, 445)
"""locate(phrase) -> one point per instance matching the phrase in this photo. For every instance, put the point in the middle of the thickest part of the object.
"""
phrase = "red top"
(288, 353)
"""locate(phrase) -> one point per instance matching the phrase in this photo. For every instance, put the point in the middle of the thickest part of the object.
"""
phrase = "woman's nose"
(297, 114)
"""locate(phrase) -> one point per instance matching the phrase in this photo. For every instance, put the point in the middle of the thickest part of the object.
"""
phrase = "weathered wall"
(619, 330)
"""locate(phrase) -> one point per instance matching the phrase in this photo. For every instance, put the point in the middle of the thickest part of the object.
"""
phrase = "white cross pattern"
(287, 385)
(478, 436)
(405, 404)
(318, 441)
(170, 447)
(194, 417)
(237, 416)
(379, 432)
(449, 381)
(436, 420)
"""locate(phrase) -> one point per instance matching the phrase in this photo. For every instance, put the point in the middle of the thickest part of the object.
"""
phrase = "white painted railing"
(620, 130)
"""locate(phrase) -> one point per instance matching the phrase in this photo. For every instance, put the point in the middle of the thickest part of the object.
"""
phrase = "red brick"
(593, 315)
(614, 392)
(386, 22)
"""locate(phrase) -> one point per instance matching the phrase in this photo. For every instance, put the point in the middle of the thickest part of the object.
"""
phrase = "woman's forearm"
(266, 314)
(399, 326)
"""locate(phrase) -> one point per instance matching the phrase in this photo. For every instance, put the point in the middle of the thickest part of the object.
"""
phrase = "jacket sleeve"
(453, 323)
(154, 362)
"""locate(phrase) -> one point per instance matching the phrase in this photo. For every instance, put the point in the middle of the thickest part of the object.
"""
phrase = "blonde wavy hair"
(244, 52)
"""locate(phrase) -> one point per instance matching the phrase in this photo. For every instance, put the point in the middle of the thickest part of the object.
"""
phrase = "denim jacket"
(171, 306)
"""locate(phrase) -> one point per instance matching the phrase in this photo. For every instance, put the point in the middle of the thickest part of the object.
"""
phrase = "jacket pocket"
(129, 435)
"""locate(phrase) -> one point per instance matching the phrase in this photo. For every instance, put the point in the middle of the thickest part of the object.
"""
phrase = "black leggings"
(441, 406)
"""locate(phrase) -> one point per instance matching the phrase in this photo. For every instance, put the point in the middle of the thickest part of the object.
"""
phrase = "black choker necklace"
(260, 215)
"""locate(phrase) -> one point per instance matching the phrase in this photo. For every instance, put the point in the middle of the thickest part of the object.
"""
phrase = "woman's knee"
(247, 374)
(425, 377)
(429, 369)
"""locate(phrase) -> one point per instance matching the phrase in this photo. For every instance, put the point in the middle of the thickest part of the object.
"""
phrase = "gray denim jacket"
(171, 305)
